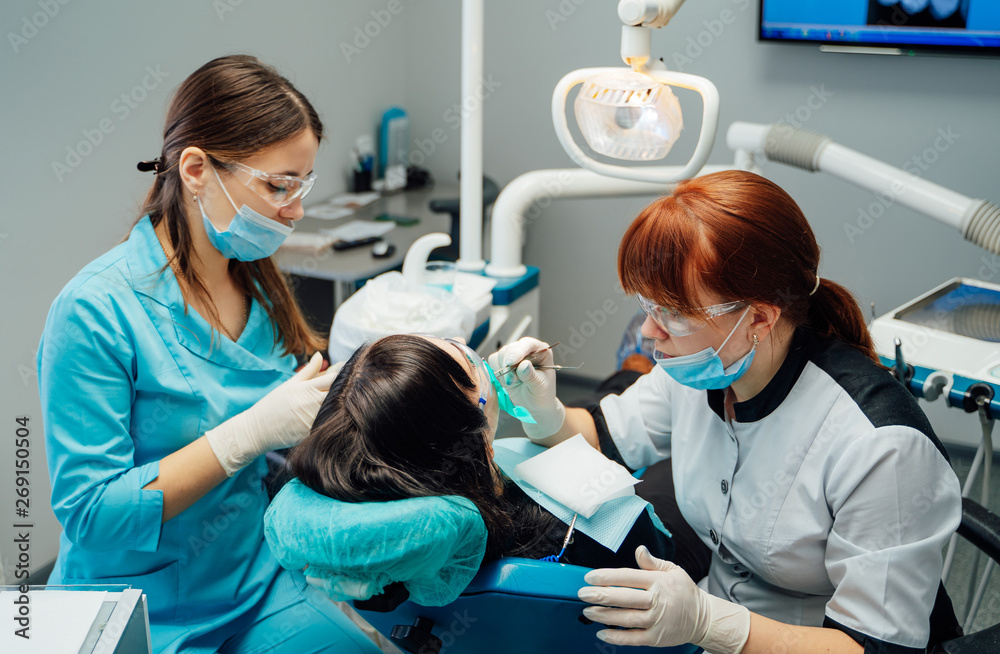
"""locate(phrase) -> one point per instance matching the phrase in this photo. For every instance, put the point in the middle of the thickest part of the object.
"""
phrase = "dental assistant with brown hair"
(809, 472)
(166, 371)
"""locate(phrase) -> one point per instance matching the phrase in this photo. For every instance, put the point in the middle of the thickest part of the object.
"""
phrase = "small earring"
(755, 341)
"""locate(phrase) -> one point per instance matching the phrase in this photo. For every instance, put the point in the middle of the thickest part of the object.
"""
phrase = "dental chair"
(412, 569)
(512, 605)
(456, 607)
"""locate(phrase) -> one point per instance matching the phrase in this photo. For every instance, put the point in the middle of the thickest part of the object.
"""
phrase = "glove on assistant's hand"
(533, 389)
(282, 418)
(662, 607)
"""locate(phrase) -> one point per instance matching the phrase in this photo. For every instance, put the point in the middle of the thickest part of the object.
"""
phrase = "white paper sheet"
(577, 476)
(309, 243)
(60, 620)
(328, 212)
(609, 526)
(354, 200)
(356, 229)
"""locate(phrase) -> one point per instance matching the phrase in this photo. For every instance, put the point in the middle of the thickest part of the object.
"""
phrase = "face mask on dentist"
(703, 370)
(249, 237)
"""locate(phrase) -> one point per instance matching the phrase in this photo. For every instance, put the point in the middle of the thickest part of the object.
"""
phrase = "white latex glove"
(662, 607)
(535, 390)
(281, 418)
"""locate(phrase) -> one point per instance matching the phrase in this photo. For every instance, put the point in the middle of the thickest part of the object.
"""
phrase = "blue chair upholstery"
(513, 606)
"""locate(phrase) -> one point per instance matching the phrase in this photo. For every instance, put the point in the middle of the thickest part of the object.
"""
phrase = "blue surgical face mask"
(703, 370)
(249, 237)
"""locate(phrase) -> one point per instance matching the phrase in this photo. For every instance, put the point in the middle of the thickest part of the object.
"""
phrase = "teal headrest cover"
(433, 545)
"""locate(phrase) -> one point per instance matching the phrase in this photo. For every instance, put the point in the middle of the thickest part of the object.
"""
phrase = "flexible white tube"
(911, 191)
(887, 182)
(977, 599)
(539, 188)
(471, 182)
(973, 599)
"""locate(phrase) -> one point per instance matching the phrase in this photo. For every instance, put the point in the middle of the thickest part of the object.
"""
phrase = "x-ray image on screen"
(919, 13)
(897, 26)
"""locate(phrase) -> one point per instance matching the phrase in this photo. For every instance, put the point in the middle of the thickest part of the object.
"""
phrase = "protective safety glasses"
(677, 324)
(486, 388)
(489, 384)
(279, 190)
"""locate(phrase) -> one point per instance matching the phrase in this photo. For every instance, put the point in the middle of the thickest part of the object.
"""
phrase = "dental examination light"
(624, 113)
(631, 113)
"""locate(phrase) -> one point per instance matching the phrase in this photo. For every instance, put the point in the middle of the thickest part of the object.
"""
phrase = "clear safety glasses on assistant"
(279, 190)
(677, 324)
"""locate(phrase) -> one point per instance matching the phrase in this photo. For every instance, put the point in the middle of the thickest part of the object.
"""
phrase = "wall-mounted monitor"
(893, 26)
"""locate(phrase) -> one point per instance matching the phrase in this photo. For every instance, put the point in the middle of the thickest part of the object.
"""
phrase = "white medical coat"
(827, 500)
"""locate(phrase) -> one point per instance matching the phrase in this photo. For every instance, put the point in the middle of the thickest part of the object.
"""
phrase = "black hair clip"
(147, 166)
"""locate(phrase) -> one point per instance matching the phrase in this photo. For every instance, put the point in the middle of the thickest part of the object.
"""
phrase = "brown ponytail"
(740, 236)
(233, 108)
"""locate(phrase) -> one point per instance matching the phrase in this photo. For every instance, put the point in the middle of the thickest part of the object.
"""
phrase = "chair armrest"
(987, 640)
(530, 578)
(981, 527)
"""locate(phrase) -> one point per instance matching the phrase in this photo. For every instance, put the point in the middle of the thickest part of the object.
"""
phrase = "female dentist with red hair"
(797, 458)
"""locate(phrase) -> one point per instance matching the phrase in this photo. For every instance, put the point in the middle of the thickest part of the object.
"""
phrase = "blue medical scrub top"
(126, 378)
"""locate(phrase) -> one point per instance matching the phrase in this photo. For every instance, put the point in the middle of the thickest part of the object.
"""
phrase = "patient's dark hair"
(399, 422)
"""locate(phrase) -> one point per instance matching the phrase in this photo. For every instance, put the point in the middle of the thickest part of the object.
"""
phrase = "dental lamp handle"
(656, 174)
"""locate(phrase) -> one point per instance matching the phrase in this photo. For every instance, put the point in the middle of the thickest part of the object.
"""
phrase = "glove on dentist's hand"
(533, 389)
(281, 418)
(662, 607)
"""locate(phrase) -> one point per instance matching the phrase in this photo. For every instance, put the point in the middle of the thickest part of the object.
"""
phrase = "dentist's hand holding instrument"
(526, 368)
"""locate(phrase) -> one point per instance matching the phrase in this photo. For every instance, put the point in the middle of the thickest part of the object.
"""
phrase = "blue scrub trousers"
(293, 618)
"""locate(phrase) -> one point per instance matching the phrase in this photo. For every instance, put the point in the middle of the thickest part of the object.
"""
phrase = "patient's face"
(492, 408)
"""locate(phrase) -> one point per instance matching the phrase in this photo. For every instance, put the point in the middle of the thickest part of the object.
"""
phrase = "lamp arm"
(639, 18)
(648, 13)
(977, 220)
(471, 182)
(662, 174)
(526, 196)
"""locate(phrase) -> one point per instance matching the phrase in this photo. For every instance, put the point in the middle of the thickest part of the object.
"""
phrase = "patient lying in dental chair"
(414, 416)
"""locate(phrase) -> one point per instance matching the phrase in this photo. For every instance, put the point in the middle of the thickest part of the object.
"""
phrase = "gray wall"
(68, 76)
